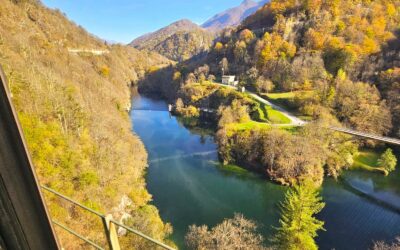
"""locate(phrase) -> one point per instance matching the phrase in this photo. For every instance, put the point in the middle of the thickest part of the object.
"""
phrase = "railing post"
(111, 233)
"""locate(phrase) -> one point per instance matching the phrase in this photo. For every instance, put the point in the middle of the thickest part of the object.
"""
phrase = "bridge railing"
(109, 226)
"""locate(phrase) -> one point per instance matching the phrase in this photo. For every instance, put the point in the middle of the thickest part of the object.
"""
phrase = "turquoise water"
(189, 186)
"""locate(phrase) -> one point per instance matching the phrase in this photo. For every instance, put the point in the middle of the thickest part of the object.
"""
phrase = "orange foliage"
(246, 35)
(315, 40)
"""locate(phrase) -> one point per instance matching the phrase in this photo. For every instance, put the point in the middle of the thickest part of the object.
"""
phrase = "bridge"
(295, 121)
(388, 140)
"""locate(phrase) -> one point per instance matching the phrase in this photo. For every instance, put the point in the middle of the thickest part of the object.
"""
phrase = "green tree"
(388, 160)
(298, 225)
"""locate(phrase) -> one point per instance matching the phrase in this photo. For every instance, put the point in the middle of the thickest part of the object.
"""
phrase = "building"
(229, 80)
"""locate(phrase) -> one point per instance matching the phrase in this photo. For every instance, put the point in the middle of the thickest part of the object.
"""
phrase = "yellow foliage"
(153, 69)
(177, 76)
(313, 5)
(105, 71)
(274, 47)
(390, 9)
(369, 46)
(81, 145)
(278, 6)
(315, 40)
(219, 46)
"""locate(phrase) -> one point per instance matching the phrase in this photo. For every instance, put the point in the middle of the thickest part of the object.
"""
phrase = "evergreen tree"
(298, 226)
(388, 160)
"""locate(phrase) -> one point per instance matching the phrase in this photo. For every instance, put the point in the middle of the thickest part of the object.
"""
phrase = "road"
(295, 121)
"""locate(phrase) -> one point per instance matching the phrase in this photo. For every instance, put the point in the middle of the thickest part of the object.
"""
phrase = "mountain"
(178, 41)
(184, 39)
(234, 16)
(153, 38)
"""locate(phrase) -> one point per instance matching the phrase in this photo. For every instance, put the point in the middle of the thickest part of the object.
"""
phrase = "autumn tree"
(224, 66)
(179, 105)
(235, 113)
(232, 234)
(273, 47)
(298, 225)
(380, 245)
(246, 35)
(211, 78)
(264, 85)
(218, 47)
(191, 78)
(389, 84)
(359, 105)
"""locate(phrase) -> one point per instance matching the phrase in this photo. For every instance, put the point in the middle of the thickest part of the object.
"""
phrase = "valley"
(267, 125)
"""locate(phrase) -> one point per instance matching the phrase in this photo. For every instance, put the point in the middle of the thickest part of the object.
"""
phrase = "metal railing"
(109, 226)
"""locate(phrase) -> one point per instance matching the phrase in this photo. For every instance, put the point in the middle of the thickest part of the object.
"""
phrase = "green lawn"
(287, 101)
(272, 116)
(368, 160)
(287, 95)
(280, 96)
(257, 125)
(276, 117)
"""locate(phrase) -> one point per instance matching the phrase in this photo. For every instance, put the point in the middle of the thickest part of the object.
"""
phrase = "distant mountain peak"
(247, 2)
(178, 41)
(184, 23)
(234, 16)
(163, 33)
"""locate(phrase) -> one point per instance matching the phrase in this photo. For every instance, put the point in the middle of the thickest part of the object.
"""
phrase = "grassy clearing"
(368, 161)
(287, 95)
(252, 125)
(234, 169)
(276, 117)
(273, 116)
(279, 96)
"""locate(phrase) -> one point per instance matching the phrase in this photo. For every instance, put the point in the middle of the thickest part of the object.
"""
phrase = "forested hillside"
(343, 51)
(334, 63)
(73, 110)
(178, 41)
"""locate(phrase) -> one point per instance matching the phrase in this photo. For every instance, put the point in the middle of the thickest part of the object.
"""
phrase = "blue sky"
(124, 20)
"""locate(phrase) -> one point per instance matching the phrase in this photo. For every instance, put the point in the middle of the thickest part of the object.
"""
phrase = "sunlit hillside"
(73, 109)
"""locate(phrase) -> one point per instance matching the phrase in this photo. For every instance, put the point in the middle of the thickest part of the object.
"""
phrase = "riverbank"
(190, 186)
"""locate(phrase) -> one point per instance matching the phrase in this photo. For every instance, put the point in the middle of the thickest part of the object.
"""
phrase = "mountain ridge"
(178, 41)
(234, 16)
(180, 25)
(184, 39)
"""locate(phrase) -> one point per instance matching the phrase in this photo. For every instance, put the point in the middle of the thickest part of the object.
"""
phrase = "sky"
(123, 20)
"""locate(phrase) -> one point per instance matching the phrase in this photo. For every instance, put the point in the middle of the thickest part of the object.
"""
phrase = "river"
(189, 186)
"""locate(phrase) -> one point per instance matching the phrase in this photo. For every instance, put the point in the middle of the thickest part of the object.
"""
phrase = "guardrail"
(109, 227)
(24, 222)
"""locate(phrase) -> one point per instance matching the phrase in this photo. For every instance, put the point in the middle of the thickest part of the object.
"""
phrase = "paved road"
(295, 121)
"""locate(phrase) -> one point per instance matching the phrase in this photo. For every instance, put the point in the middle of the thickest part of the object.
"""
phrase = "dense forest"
(73, 110)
